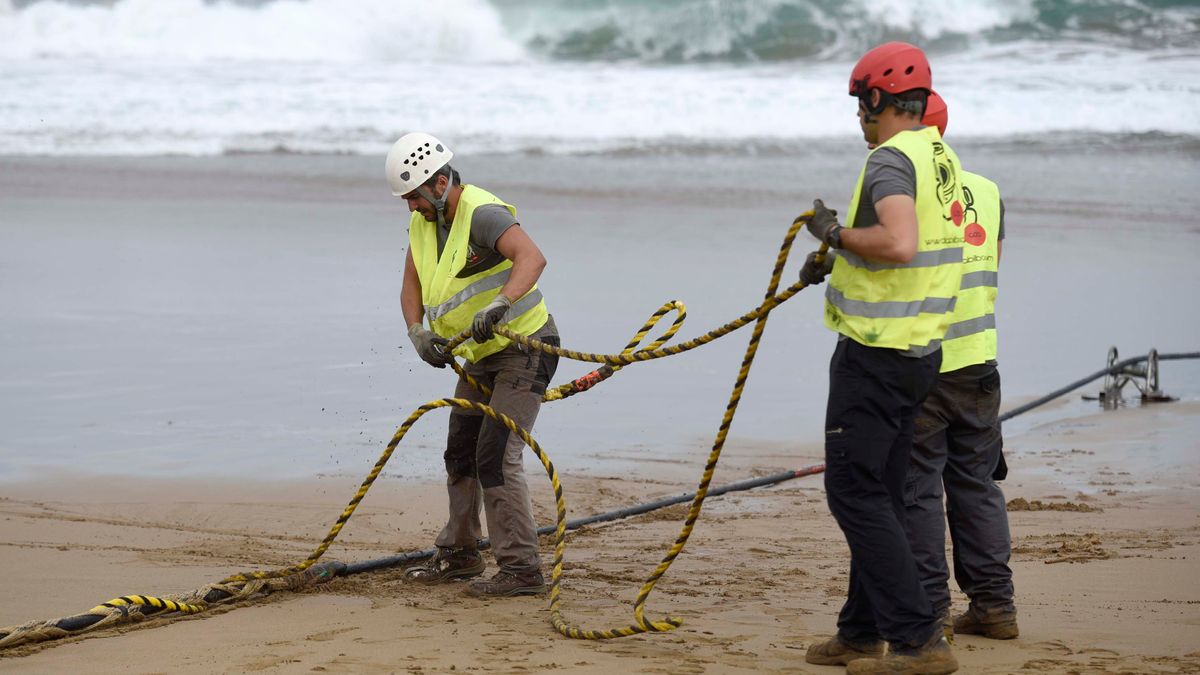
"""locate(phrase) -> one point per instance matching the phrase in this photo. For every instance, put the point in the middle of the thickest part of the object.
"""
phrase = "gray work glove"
(813, 272)
(482, 328)
(824, 225)
(430, 346)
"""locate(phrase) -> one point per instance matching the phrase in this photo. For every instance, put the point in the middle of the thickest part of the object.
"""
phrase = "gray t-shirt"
(890, 172)
(487, 224)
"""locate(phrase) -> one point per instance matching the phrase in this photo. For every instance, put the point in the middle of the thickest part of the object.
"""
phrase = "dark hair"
(911, 102)
(446, 170)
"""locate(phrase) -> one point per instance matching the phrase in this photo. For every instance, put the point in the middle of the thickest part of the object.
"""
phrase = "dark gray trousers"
(484, 459)
(957, 449)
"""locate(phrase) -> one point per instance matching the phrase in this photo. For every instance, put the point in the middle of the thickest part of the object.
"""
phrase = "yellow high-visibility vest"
(906, 306)
(452, 302)
(971, 337)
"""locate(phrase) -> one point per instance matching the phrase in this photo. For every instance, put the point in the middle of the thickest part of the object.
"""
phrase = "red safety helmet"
(892, 68)
(936, 114)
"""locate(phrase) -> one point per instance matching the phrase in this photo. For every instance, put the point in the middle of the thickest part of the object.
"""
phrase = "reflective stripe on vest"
(889, 309)
(971, 338)
(450, 302)
(906, 306)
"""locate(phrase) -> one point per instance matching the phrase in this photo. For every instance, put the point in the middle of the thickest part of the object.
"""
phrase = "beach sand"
(1105, 572)
(201, 359)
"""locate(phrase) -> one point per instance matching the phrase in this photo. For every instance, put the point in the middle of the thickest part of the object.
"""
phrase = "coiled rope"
(247, 584)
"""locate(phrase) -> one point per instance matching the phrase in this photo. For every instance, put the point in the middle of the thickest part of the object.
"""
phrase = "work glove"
(430, 346)
(823, 225)
(482, 328)
(814, 272)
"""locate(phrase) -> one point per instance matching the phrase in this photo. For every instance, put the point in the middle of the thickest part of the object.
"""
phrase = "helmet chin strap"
(439, 203)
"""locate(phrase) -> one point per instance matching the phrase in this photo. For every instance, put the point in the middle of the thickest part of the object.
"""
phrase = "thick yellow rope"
(612, 362)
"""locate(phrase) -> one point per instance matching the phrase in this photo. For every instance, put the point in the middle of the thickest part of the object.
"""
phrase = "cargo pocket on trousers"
(988, 400)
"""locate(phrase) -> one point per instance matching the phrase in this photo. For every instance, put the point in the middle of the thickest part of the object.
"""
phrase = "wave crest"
(401, 31)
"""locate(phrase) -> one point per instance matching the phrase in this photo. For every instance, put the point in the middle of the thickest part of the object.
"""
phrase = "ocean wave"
(673, 31)
(499, 31)
(408, 32)
(206, 77)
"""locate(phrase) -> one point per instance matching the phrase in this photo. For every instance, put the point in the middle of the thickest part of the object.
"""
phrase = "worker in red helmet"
(957, 446)
(891, 291)
(936, 114)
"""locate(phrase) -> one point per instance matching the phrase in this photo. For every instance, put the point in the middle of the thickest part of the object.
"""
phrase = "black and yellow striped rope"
(148, 601)
(611, 364)
(655, 350)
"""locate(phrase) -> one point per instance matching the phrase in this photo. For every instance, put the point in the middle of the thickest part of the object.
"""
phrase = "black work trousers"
(874, 396)
(957, 447)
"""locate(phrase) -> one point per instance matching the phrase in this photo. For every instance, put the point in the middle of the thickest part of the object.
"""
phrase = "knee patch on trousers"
(493, 440)
(461, 444)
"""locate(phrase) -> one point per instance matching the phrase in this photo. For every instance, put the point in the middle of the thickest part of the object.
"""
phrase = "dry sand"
(1110, 588)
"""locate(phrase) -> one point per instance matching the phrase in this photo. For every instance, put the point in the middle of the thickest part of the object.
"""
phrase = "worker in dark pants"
(957, 445)
(891, 291)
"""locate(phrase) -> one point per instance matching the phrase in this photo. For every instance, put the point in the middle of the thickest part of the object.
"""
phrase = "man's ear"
(876, 96)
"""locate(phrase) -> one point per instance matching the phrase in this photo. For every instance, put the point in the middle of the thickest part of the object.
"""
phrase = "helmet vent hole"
(908, 70)
(887, 72)
(406, 161)
(439, 147)
(405, 176)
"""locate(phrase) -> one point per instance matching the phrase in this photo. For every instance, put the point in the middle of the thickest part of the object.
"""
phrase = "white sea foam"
(147, 77)
(399, 31)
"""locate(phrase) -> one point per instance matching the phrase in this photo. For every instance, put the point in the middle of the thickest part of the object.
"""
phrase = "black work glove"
(824, 225)
(814, 272)
(430, 346)
(482, 328)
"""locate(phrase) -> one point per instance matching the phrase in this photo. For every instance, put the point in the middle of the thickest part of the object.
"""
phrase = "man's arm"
(410, 294)
(894, 239)
(527, 259)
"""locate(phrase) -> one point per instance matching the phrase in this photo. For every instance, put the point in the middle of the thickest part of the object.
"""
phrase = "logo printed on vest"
(974, 235)
(947, 179)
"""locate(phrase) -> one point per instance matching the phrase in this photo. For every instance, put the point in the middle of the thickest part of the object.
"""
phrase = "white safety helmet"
(414, 159)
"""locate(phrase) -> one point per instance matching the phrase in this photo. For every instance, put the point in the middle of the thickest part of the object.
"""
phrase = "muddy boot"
(932, 658)
(504, 584)
(448, 564)
(996, 624)
(838, 652)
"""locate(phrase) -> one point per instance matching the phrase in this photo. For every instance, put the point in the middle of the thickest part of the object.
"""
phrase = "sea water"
(197, 77)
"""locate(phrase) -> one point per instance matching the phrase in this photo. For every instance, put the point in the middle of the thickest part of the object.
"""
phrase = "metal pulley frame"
(1142, 374)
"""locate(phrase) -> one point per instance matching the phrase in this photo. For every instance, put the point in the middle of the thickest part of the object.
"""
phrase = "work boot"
(932, 658)
(505, 584)
(996, 624)
(838, 652)
(448, 564)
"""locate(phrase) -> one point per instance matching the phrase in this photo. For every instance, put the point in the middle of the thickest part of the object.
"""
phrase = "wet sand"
(200, 359)
(200, 317)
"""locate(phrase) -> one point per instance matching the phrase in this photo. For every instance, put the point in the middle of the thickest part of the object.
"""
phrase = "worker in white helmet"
(471, 266)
